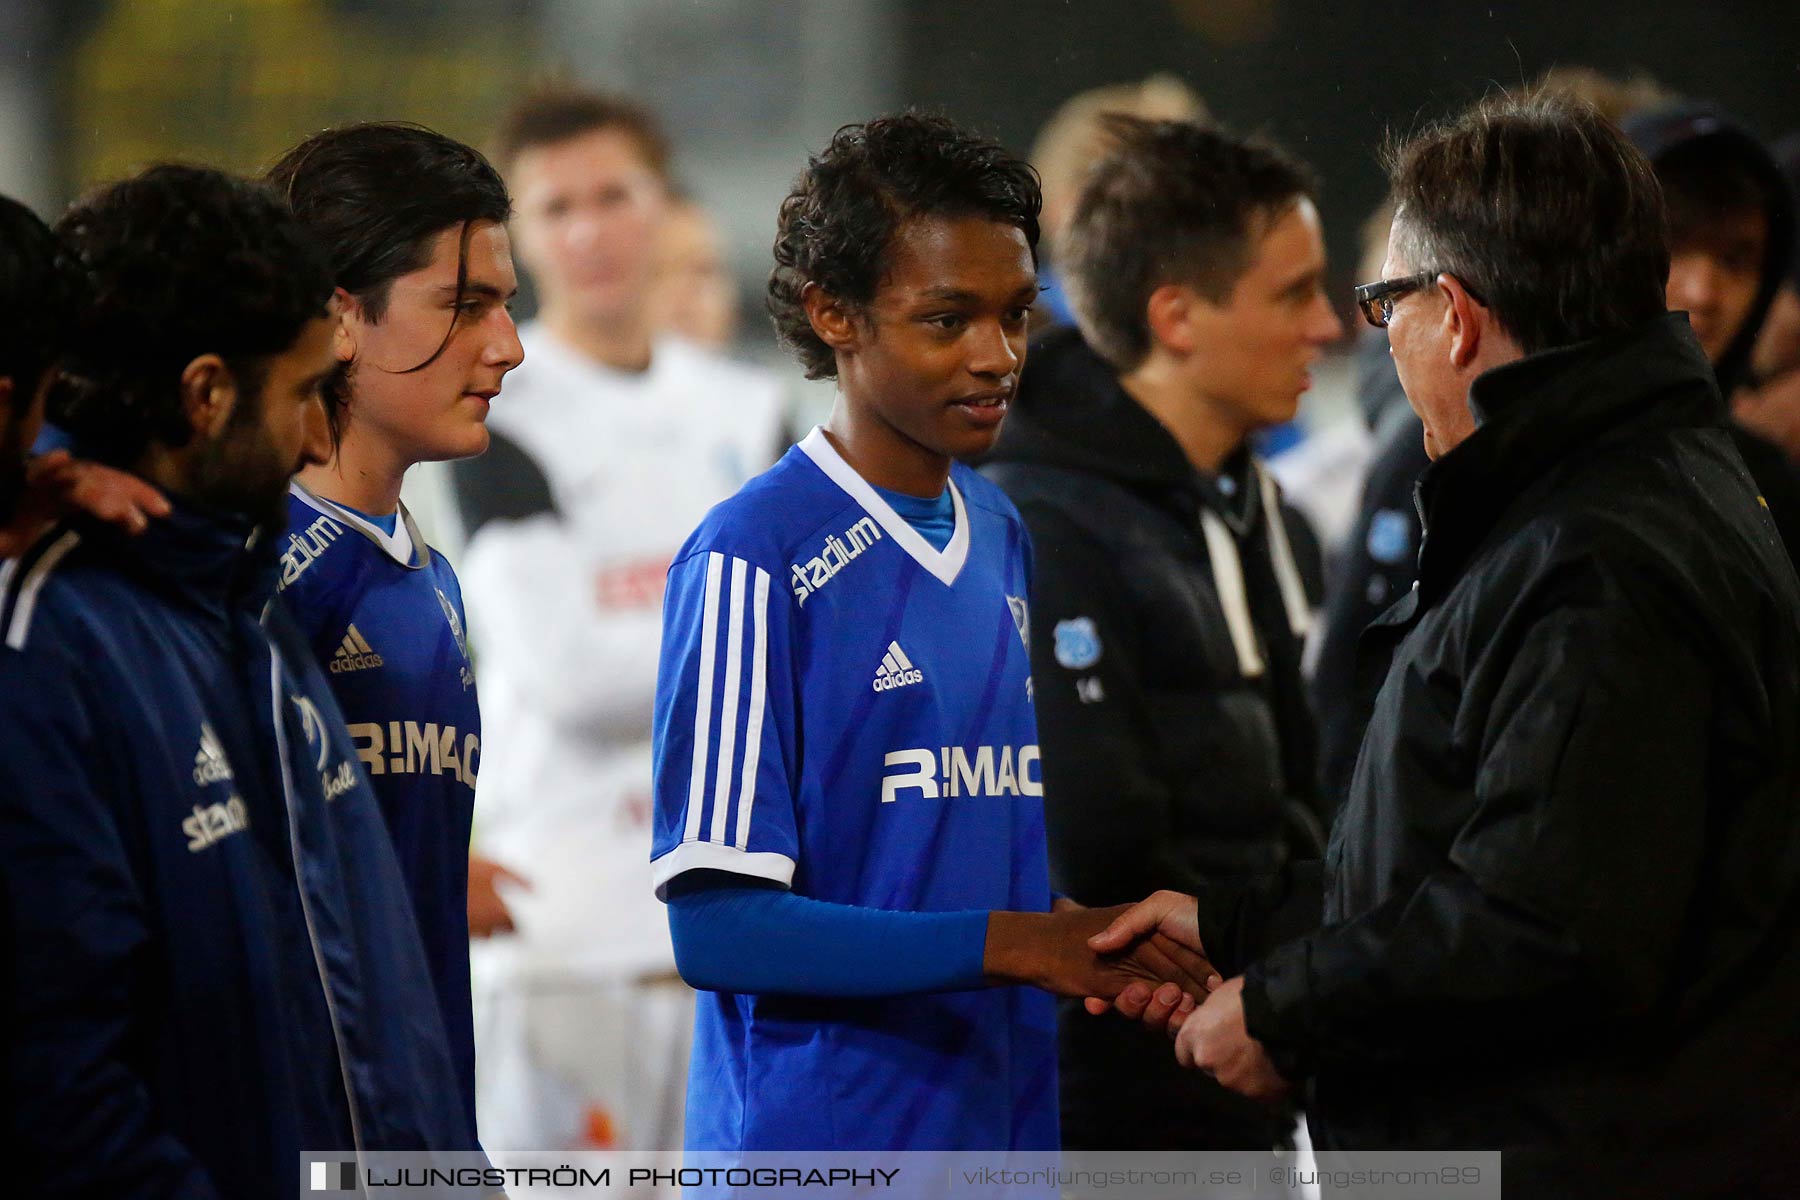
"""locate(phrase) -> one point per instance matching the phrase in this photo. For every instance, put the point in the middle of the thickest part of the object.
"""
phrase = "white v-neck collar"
(404, 545)
(946, 564)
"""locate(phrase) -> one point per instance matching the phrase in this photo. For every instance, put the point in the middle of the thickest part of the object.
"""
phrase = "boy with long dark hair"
(413, 225)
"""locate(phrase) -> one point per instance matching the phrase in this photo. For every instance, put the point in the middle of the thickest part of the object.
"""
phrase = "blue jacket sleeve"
(76, 938)
(756, 940)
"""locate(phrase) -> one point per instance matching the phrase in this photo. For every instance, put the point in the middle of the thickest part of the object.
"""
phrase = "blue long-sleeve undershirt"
(762, 940)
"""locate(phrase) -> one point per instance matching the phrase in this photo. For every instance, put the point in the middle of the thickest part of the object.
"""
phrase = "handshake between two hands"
(1144, 961)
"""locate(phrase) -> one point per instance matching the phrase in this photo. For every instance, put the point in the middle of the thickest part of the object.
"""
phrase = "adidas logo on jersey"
(355, 654)
(819, 570)
(210, 765)
(896, 670)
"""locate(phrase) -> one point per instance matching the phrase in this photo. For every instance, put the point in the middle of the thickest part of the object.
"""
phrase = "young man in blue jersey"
(413, 224)
(849, 812)
(210, 951)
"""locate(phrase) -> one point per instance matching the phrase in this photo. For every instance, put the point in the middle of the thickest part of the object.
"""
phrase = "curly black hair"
(180, 261)
(838, 223)
(376, 195)
(41, 290)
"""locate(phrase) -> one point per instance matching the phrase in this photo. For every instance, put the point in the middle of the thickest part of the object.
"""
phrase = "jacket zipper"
(312, 936)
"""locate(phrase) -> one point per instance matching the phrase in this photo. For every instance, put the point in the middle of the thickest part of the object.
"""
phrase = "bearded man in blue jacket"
(213, 963)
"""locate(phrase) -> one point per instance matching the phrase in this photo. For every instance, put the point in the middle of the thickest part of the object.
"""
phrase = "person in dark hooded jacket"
(1169, 604)
(1731, 244)
(1769, 401)
(1560, 902)
(1732, 238)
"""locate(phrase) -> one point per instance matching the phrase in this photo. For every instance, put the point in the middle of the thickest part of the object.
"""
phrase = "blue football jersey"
(846, 711)
(384, 615)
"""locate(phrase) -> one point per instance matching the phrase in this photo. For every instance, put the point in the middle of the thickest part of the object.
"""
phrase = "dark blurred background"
(90, 89)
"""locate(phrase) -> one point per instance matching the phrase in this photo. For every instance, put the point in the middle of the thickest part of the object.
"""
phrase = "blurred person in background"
(216, 961)
(1077, 136)
(413, 225)
(611, 442)
(41, 292)
(694, 297)
(1068, 147)
(1379, 559)
(1768, 402)
(1731, 244)
(1559, 901)
(1168, 609)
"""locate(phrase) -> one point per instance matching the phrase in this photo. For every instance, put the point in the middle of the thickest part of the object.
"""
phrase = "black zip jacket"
(1560, 903)
(1378, 561)
(1175, 748)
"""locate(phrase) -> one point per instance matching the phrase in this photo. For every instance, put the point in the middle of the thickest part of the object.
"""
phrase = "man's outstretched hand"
(1214, 1039)
(58, 486)
(1053, 951)
(1171, 917)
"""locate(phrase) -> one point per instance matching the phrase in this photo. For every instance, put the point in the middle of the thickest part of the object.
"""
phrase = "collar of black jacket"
(1071, 412)
(1533, 413)
(216, 561)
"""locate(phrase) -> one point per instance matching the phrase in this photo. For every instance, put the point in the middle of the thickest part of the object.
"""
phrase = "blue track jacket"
(211, 960)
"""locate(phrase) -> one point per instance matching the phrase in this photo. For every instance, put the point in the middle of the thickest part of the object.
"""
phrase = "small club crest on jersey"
(1077, 643)
(456, 629)
(1021, 615)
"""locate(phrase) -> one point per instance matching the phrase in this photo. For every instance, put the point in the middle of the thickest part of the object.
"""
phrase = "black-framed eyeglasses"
(1377, 299)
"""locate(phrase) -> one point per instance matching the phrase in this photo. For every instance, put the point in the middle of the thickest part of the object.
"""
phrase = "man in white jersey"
(609, 447)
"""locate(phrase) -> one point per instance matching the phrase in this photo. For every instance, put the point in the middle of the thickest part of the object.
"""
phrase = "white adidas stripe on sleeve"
(709, 637)
(728, 703)
(759, 679)
(739, 690)
(733, 684)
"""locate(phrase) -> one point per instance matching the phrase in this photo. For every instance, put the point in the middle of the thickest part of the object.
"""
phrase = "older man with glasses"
(1558, 907)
